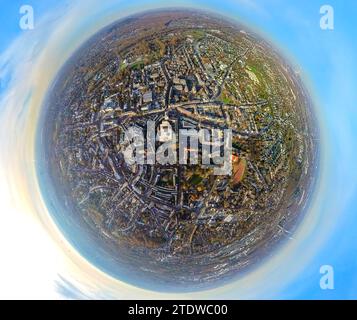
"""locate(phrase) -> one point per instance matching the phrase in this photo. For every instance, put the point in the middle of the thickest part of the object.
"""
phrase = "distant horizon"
(324, 59)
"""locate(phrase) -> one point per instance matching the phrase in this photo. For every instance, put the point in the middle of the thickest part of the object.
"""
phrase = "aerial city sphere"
(177, 218)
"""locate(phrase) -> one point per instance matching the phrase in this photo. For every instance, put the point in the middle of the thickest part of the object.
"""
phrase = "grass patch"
(195, 180)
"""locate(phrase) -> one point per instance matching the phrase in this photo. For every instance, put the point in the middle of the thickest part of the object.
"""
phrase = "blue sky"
(9, 17)
(327, 61)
